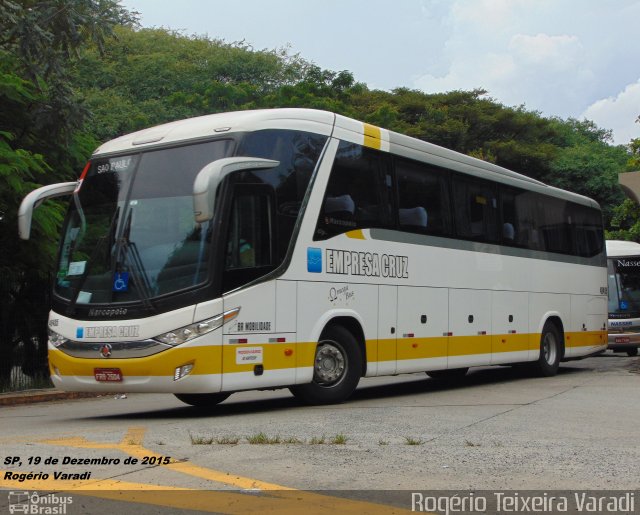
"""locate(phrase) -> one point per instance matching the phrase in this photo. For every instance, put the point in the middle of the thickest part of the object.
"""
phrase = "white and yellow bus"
(302, 249)
(623, 265)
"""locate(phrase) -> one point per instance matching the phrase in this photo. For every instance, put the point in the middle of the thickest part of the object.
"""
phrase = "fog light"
(182, 371)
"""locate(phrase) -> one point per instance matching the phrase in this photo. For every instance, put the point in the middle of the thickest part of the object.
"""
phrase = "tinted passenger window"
(358, 192)
(298, 153)
(423, 200)
(587, 228)
(519, 211)
(476, 209)
(554, 225)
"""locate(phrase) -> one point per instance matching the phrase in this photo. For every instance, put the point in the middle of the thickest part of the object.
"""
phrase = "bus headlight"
(189, 332)
(56, 339)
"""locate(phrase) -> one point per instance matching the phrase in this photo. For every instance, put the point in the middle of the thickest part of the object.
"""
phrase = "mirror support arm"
(210, 177)
(37, 197)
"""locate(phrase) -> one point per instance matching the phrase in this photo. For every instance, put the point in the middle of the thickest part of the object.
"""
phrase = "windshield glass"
(624, 287)
(130, 234)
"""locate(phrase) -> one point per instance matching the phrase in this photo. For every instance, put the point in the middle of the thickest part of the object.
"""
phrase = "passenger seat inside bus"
(342, 207)
(508, 232)
(413, 217)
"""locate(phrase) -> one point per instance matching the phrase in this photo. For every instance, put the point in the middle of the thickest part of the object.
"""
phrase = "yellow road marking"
(131, 444)
(266, 496)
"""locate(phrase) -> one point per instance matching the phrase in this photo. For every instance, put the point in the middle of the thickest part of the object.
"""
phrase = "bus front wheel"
(550, 351)
(202, 400)
(336, 368)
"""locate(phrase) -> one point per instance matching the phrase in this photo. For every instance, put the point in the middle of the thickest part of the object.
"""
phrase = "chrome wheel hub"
(330, 364)
(549, 348)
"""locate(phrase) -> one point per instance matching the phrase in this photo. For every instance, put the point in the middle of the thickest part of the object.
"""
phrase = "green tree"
(41, 141)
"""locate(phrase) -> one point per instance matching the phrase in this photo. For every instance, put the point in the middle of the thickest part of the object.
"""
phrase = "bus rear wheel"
(550, 351)
(336, 368)
(202, 400)
(632, 352)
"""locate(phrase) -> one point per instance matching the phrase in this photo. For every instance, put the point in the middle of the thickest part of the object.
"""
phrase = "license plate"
(623, 339)
(107, 375)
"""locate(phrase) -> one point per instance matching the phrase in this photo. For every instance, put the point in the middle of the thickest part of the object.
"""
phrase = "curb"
(36, 396)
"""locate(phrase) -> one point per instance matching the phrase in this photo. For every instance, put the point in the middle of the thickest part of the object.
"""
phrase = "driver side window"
(249, 245)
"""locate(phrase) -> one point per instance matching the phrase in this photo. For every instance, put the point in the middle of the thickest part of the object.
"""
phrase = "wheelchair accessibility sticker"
(121, 281)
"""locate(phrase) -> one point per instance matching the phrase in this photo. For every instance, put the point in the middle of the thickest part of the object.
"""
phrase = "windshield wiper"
(135, 265)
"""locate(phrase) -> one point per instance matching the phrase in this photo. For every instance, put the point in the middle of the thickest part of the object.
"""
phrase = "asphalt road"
(499, 428)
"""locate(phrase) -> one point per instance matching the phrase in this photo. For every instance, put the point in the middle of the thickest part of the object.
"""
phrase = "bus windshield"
(130, 234)
(624, 287)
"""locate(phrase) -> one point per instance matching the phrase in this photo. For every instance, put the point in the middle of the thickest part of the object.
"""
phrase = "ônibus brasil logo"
(34, 503)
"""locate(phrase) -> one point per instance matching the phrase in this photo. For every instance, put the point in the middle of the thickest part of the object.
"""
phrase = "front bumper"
(624, 341)
(153, 373)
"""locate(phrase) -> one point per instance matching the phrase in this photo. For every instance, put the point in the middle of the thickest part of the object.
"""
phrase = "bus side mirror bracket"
(37, 197)
(210, 177)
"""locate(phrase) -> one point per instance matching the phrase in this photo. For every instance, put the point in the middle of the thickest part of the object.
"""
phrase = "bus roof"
(322, 122)
(619, 248)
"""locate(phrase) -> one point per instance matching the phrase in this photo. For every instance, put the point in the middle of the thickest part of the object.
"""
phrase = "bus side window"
(358, 194)
(422, 198)
(476, 209)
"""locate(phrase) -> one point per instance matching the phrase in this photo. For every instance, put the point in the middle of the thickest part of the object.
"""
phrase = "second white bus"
(302, 249)
(623, 266)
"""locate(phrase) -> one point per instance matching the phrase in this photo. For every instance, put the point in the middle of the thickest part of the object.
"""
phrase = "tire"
(632, 352)
(337, 368)
(550, 351)
(448, 375)
(202, 400)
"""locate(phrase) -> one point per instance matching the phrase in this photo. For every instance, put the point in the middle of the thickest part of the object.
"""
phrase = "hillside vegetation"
(76, 73)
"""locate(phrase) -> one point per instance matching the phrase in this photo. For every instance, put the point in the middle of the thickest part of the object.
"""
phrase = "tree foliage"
(74, 73)
(42, 136)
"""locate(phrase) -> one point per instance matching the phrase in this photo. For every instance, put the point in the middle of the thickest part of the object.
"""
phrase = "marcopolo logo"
(314, 260)
(32, 502)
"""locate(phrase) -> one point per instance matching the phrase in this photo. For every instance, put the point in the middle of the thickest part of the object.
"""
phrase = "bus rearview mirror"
(37, 197)
(210, 177)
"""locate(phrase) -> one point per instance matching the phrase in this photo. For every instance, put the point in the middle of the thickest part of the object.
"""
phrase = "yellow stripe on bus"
(278, 356)
(356, 234)
(372, 136)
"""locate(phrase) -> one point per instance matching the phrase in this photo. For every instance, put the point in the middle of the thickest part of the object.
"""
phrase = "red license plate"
(107, 375)
(623, 339)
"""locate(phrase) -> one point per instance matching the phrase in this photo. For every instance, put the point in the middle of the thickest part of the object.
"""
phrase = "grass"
(339, 439)
(209, 440)
(410, 440)
(200, 440)
(262, 439)
(227, 440)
